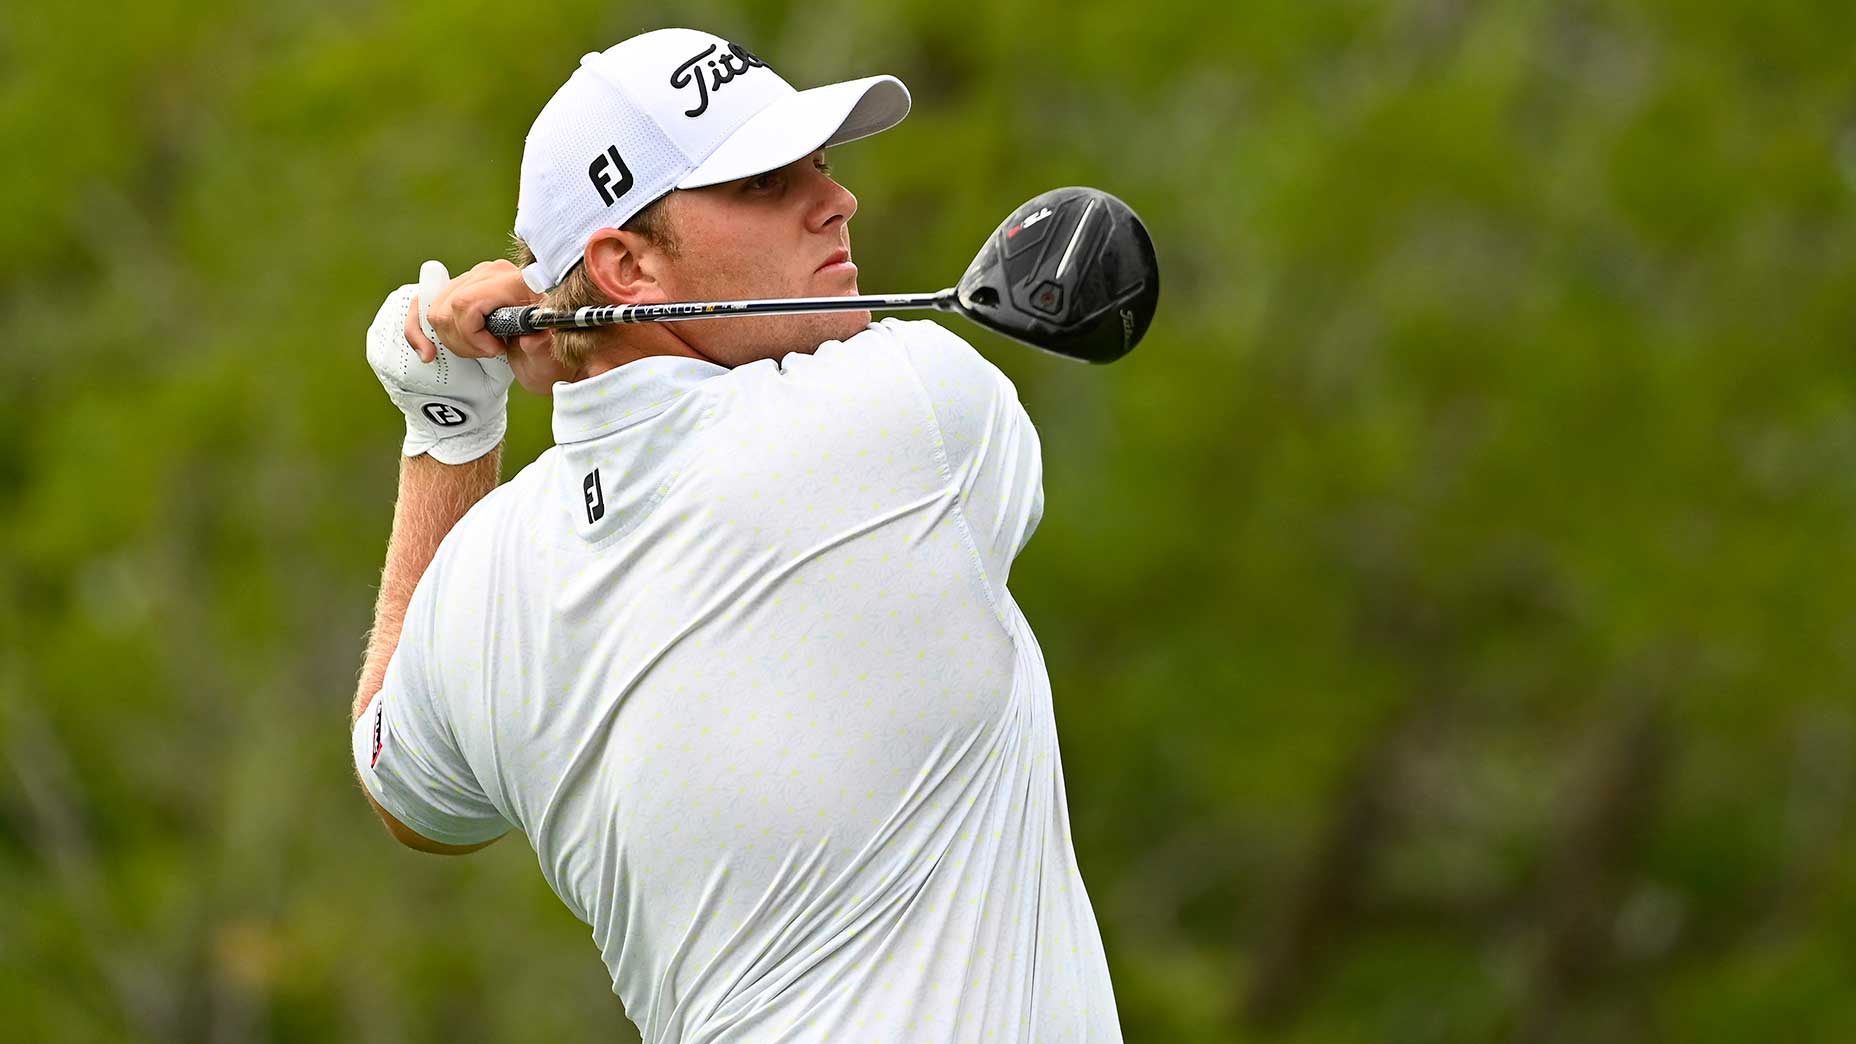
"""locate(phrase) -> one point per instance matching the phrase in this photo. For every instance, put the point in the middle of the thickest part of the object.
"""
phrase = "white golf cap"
(671, 109)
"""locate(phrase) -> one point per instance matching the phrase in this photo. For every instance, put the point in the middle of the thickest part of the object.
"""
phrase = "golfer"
(736, 655)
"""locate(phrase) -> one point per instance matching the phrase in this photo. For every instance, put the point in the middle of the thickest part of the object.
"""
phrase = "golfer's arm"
(432, 498)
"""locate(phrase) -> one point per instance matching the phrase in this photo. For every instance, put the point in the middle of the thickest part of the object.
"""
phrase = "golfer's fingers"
(451, 317)
(416, 337)
(503, 283)
(469, 299)
(459, 320)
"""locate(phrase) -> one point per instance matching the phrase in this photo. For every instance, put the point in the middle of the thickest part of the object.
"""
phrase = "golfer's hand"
(456, 408)
(452, 311)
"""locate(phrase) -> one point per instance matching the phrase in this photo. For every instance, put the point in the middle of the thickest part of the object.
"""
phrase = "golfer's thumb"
(433, 277)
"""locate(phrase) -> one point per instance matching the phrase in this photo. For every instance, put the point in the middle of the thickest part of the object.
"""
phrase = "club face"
(1072, 272)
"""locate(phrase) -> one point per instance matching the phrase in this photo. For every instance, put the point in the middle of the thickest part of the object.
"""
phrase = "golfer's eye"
(763, 182)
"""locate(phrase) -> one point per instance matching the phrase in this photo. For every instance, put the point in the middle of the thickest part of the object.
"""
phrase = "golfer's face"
(785, 233)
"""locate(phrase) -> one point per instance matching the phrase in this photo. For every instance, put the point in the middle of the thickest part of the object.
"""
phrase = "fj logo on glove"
(602, 169)
(444, 414)
(732, 63)
(595, 500)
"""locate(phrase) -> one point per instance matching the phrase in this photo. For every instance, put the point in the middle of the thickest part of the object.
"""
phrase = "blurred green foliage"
(1449, 606)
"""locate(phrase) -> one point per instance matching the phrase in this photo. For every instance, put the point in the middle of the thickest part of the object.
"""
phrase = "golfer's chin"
(841, 326)
(839, 280)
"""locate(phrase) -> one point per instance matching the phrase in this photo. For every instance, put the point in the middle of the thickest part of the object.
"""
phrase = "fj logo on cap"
(601, 170)
(732, 63)
(443, 414)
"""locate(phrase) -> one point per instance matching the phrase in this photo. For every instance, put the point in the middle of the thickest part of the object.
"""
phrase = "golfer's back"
(737, 656)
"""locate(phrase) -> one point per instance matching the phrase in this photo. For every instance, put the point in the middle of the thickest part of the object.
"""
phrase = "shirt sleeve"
(992, 448)
(406, 750)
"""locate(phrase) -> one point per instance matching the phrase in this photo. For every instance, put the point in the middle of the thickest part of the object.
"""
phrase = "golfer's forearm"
(432, 497)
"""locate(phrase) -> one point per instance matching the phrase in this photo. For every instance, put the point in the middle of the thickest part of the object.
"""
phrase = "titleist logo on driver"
(722, 70)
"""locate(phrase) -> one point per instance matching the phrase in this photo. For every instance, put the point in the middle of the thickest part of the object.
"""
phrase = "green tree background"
(1449, 606)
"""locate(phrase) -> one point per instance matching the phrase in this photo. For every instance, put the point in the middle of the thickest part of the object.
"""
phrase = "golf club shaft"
(522, 319)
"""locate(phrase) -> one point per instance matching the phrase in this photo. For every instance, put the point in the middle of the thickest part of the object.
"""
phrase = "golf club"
(1071, 271)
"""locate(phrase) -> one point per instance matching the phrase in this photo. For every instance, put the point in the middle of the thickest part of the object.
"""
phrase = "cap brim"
(802, 123)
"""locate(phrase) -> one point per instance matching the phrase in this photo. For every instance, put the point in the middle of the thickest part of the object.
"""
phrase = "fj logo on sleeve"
(595, 499)
(443, 414)
(604, 168)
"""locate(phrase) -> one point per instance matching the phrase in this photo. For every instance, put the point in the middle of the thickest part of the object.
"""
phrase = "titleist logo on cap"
(722, 71)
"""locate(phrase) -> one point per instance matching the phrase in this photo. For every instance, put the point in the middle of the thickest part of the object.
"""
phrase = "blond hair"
(578, 290)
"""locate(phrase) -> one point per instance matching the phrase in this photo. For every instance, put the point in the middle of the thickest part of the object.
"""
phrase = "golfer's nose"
(834, 203)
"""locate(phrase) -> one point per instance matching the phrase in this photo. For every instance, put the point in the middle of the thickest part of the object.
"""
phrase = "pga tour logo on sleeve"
(379, 704)
(443, 414)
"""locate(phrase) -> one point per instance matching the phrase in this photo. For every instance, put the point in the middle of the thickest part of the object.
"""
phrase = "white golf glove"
(456, 408)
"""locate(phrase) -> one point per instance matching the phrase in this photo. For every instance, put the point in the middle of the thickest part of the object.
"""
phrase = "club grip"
(510, 322)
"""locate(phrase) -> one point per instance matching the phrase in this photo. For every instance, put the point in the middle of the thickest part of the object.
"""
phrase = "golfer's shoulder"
(915, 357)
(498, 527)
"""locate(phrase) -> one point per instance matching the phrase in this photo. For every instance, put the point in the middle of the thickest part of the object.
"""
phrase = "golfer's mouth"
(838, 261)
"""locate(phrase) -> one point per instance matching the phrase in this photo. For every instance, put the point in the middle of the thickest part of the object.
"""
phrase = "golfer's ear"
(624, 266)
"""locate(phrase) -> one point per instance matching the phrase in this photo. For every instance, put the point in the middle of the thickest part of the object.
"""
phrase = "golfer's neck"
(642, 341)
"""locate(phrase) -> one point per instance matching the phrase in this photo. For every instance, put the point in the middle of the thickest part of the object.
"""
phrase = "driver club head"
(1071, 271)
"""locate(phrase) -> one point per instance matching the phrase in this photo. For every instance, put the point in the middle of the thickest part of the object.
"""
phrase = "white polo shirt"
(737, 656)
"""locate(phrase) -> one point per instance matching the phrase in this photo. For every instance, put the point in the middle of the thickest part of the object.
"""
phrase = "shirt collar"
(625, 395)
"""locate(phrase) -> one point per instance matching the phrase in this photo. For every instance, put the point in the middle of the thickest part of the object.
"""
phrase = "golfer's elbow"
(412, 839)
